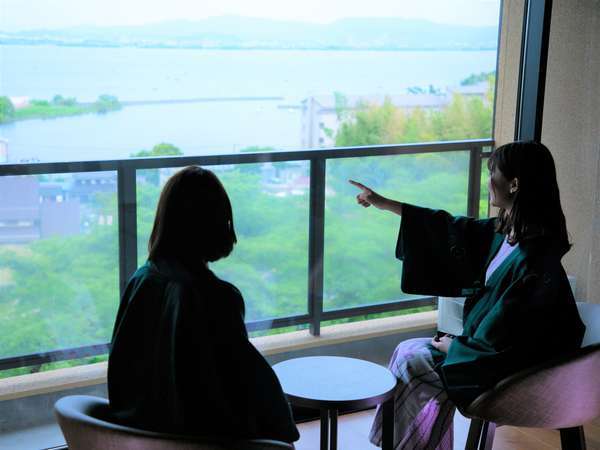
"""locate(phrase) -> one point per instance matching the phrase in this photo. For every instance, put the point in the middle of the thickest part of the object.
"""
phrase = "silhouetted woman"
(519, 308)
(180, 360)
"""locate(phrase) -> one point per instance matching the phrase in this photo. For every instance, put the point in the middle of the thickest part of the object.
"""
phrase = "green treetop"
(7, 110)
(162, 149)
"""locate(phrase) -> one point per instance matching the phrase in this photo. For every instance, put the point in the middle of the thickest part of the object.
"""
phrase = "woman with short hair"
(519, 308)
(180, 360)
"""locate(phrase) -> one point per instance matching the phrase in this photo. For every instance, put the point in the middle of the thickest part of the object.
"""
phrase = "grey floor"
(353, 434)
(34, 438)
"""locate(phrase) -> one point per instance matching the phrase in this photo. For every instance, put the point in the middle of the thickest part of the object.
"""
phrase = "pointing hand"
(368, 197)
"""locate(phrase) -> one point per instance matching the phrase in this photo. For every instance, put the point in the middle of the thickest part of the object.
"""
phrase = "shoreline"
(139, 46)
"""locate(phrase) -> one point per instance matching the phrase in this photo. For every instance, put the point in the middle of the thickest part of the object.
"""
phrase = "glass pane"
(360, 266)
(269, 264)
(234, 75)
(59, 261)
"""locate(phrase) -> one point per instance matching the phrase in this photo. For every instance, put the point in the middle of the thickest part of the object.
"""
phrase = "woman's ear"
(514, 186)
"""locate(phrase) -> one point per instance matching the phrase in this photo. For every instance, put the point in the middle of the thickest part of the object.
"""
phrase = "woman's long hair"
(536, 210)
(194, 219)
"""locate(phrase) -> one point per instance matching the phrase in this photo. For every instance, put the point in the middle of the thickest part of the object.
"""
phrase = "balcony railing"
(127, 216)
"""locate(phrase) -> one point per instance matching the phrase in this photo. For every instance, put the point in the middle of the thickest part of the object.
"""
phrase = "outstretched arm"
(368, 197)
(442, 254)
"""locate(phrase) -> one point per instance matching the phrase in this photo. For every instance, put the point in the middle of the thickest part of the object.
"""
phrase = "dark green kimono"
(181, 360)
(523, 315)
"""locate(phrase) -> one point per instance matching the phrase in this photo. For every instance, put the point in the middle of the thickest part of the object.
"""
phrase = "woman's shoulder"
(229, 292)
(165, 278)
(204, 284)
(540, 261)
(228, 288)
(540, 252)
(147, 274)
(176, 279)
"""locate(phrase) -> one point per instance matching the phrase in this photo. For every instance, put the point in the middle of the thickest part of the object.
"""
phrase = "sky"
(18, 15)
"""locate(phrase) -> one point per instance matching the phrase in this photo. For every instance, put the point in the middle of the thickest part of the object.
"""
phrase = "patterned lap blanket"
(423, 413)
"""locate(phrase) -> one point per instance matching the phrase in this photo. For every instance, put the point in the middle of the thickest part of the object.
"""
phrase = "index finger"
(358, 185)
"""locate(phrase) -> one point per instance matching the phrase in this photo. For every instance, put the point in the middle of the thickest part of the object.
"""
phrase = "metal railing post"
(316, 241)
(127, 224)
(474, 187)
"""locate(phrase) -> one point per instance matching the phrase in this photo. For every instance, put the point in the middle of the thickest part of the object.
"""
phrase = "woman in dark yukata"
(181, 361)
(519, 308)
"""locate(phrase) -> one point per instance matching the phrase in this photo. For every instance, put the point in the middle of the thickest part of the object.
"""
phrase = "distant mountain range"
(255, 33)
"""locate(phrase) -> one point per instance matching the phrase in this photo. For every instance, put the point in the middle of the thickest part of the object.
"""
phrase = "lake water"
(200, 128)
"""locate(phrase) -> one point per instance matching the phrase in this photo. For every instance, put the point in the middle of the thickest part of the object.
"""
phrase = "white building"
(320, 119)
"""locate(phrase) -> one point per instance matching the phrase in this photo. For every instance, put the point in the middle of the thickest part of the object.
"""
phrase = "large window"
(113, 84)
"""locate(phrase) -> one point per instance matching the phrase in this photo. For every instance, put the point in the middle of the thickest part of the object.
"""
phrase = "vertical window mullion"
(474, 187)
(126, 189)
(316, 240)
(532, 70)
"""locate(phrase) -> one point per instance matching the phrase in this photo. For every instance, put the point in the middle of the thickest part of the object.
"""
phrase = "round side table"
(331, 383)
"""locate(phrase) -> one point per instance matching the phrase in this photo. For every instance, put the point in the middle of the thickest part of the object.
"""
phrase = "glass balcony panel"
(59, 261)
(269, 264)
(360, 266)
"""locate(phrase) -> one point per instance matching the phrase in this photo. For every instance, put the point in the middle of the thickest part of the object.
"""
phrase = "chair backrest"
(562, 393)
(450, 311)
(450, 315)
(85, 423)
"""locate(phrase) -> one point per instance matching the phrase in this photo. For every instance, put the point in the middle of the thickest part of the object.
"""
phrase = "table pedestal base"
(329, 427)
